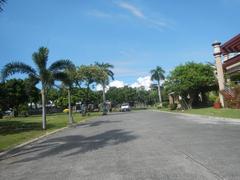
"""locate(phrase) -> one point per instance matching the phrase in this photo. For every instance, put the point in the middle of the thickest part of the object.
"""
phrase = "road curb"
(202, 116)
(41, 137)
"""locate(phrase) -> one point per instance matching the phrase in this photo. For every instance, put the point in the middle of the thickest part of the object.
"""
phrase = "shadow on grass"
(17, 126)
(75, 144)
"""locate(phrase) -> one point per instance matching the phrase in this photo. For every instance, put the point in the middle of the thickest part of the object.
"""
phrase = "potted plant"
(217, 104)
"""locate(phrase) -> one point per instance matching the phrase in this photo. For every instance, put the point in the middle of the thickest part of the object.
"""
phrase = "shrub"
(165, 104)
(172, 106)
(212, 97)
(158, 106)
(23, 110)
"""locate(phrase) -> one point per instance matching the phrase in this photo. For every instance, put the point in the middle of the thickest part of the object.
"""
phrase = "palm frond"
(157, 74)
(2, 2)
(62, 76)
(106, 67)
(40, 58)
(62, 65)
(17, 67)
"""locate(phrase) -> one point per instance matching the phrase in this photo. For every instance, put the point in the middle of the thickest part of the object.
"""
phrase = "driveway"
(132, 145)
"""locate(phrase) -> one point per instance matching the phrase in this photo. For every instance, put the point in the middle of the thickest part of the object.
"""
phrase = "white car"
(125, 107)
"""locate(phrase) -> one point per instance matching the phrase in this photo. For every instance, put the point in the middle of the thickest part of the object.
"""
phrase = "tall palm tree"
(42, 73)
(158, 75)
(106, 67)
(69, 81)
(2, 2)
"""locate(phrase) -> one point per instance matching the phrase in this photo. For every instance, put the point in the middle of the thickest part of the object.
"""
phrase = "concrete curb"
(41, 137)
(202, 116)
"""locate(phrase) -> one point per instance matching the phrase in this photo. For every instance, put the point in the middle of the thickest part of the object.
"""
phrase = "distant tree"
(158, 75)
(90, 74)
(42, 73)
(122, 95)
(33, 93)
(106, 67)
(191, 79)
(14, 95)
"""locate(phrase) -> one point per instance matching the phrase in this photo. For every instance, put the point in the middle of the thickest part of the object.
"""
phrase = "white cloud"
(142, 82)
(132, 9)
(135, 11)
(115, 83)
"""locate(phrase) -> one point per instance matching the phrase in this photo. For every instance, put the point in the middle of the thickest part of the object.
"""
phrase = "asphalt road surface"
(132, 145)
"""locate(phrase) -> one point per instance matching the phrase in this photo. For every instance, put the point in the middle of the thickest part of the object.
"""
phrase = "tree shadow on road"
(76, 144)
(96, 123)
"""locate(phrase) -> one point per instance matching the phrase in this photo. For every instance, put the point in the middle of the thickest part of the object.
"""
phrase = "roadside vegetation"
(17, 130)
(64, 86)
(209, 111)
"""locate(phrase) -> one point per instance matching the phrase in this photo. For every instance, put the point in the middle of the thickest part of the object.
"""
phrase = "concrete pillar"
(225, 57)
(220, 74)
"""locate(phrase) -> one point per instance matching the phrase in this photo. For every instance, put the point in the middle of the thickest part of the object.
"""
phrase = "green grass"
(224, 112)
(210, 111)
(15, 131)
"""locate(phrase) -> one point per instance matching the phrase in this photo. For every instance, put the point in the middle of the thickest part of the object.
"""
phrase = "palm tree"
(158, 75)
(2, 2)
(69, 81)
(106, 67)
(42, 73)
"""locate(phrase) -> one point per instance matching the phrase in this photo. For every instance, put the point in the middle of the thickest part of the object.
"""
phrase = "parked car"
(125, 107)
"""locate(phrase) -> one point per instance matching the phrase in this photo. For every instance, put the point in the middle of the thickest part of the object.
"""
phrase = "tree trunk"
(43, 109)
(70, 117)
(104, 95)
(104, 100)
(159, 94)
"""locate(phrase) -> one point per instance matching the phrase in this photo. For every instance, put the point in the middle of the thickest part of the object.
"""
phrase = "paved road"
(128, 146)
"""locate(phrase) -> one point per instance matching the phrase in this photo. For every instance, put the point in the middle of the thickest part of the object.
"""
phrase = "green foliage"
(165, 104)
(90, 74)
(213, 97)
(157, 74)
(23, 110)
(12, 94)
(191, 79)
(106, 67)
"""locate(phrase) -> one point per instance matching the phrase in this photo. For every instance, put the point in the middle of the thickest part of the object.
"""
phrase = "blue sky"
(134, 35)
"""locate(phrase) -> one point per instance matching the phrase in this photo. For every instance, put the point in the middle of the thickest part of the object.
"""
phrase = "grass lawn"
(15, 131)
(210, 111)
(224, 112)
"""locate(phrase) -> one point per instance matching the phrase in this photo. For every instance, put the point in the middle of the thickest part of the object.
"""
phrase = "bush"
(23, 110)
(158, 106)
(172, 106)
(213, 97)
(165, 104)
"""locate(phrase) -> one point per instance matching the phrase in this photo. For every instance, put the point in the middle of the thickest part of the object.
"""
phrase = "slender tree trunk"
(159, 94)
(104, 95)
(104, 100)
(70, 117)
(43, 109)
